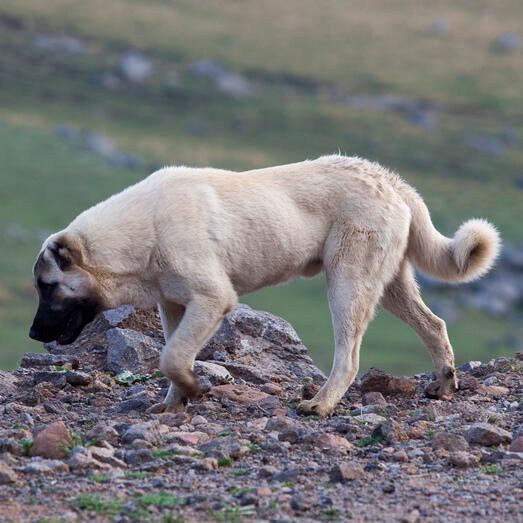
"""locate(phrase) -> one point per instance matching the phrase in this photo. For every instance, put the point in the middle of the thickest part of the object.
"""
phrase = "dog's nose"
(33, 333)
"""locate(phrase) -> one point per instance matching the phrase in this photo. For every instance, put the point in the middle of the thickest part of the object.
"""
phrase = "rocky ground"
(79, 442)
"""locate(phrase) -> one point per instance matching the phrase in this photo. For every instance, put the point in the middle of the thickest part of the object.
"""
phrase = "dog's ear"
(68, 250)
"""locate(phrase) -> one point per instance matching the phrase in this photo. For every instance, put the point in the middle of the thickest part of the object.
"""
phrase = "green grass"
(296, 54)
(97, 503)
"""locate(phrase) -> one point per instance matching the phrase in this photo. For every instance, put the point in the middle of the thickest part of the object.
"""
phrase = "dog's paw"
(435, 391)
(158, 408)
(313, 408)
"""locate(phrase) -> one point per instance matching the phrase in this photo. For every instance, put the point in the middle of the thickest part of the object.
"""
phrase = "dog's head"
(66, 291)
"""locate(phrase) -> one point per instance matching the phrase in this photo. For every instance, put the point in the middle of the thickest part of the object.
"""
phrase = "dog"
(191, 241)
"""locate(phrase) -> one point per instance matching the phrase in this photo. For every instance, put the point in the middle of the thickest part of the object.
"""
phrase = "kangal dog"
(192, 240)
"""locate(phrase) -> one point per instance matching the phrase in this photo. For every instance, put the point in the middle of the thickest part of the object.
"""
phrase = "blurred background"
(96, 95)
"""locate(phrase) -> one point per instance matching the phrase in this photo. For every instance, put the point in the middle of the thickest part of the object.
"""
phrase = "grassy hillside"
(322, 78)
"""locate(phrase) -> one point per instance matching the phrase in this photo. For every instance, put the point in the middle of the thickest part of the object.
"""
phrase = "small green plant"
(240, 490)
(430, 434)
(327, 484)
(224, 461)
(26, 445)
(99, 478)
(129, 474)
(288, 484)
(366, 442)
(239, 472)
(312, 417)
(493, 420)
(254, 449)
(60, 368)
(127, 378)
(491, 469)
(160, 499)
(225, 432)
(164, 453)
(332, 513)
(97, 503)
(231, 513)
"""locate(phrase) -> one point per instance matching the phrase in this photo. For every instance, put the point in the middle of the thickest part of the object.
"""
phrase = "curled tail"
(466, 257)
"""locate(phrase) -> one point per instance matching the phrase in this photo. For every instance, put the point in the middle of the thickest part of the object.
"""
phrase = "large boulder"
(253, 345)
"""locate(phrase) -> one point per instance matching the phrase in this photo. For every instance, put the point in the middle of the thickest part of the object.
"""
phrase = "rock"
(218, 374)
(57, 378)
(147, 431)
(7, 474)
(506, 43)
(52, 441)
(487, 435)
(348, 471)
(280, 423)
(391, 431)
(208, 68)
(450, 442)
(412, 517)
(138, 456)
(132, 351)
(517, 444)
(104, 433)
(375, 380)
(114, 317)
(106, 455)
(289, 475)
(260, 348)
(267, 471)
(135, 67)
(81, 461)
(45, 466)
(333, 441)
(492, 390)
(194, 438)
(271, 388)
(301, 503)
(470, 366)
(370, 418)
(402, 386)
(462, 459)
(400, 456)
(36, 359)
(373, 398)
(77, 378)
(242, 394)
(468, 383)
(140, 403)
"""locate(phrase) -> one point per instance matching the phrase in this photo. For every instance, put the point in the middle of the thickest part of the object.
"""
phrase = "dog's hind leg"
(402, 298)
(202, 316)
(356, 275)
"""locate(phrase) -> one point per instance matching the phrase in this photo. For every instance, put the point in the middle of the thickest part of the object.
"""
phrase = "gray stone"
(115, 316)
(45, 466)
(135, 67)
(450, 442)
(487, 435)
(132, 351)
(373, 398)
(35, 359)
(138, 456)
(260, 347)
(348, 471)
(140, 403)
(462, 459)
(486, 144)
(147, 431)
(7, 474)
(207, 69)
(235, 86)
(390, 430)
(57, 378)
(440, 27)
(77, 378)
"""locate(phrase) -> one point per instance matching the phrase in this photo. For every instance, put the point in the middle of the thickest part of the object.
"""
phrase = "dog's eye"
(44, 286)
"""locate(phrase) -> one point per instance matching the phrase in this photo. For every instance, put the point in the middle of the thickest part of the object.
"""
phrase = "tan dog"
(193, 240)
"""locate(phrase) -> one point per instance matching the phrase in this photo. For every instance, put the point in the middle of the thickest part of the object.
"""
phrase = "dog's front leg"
(171, 315)
(202, 316)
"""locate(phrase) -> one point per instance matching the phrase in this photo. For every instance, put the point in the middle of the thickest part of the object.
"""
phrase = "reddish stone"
(402, 386)
(242, 394)
(332, 441)
(52, 441)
